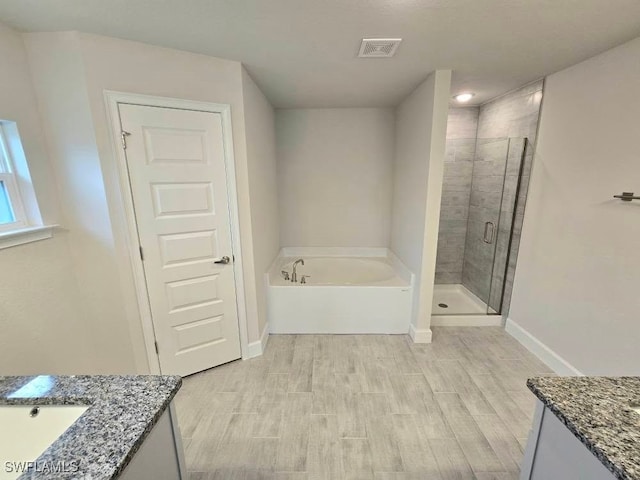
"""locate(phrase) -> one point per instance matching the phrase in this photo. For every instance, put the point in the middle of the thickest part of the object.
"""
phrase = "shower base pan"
(456, 306)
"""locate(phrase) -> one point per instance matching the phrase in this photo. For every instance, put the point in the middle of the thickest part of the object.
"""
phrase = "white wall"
(72, 71)
(577, 281)
(113, 64)
(335, 176)
(421, 124)
(42, 321)
(60, 84)
(259, 119)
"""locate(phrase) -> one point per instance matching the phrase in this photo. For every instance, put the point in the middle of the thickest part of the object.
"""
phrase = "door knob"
(224, 260)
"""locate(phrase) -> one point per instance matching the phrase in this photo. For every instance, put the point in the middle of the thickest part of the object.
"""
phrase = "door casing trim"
(112, 99)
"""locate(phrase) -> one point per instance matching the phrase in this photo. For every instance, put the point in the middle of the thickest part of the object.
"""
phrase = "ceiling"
(303, 53)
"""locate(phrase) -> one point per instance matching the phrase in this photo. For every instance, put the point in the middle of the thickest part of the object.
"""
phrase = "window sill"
(24, 235)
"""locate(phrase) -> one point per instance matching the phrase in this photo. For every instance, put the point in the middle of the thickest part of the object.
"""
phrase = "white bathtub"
(369, 292)
(26, 433)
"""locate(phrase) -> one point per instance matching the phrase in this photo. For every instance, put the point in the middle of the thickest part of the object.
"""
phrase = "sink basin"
(28, 430)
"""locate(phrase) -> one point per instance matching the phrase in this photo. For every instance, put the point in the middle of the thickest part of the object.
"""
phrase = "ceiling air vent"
(378, 47)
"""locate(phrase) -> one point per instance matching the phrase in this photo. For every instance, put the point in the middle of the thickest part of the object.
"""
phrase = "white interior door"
(177, 173)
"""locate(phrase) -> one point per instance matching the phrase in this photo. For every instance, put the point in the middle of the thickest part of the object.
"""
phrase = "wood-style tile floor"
(363, 407)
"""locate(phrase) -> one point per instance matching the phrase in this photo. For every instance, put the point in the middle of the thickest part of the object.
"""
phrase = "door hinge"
(156, 345)
(123, 136)
(141, 254)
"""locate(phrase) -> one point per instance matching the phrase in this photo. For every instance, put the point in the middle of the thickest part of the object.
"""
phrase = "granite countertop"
(597, 410)
(122, 411)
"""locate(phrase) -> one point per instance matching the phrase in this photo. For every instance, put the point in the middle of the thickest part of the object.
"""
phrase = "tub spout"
(294, 275)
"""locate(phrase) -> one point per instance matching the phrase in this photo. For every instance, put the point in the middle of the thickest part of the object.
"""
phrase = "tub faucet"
(294, 275)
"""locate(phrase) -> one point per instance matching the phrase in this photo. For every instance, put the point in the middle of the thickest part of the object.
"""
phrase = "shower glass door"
(483, 223)
(496, 173)
(504, 233)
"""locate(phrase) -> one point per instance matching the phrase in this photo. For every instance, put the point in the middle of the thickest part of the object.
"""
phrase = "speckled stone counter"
(122, 411)
(597, 411)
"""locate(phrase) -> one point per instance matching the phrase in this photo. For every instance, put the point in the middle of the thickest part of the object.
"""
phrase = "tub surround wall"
(462, 124)
(421, 123)
(580, 297)
(335, 174)
(334, 251)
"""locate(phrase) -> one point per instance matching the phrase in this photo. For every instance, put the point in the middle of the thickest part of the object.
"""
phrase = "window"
(12, 215)
(20, 219)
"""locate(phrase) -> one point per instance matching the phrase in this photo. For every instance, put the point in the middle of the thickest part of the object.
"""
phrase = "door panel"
(182, 199)
(178, 182)
(181, 248)
(515, 157)
(487, 185)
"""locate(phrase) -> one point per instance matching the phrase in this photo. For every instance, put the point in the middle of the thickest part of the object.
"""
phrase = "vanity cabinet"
(161, 455)
(554, 452)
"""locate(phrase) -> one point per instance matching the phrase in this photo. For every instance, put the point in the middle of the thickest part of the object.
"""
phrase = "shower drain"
(443, 305)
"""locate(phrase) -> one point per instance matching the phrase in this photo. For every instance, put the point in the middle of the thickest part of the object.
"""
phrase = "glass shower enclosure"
(479, 200)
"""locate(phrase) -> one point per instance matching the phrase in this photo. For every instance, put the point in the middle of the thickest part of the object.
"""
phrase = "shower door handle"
(489, 228)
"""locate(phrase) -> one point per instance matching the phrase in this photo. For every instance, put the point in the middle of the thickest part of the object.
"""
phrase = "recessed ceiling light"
(464, 97)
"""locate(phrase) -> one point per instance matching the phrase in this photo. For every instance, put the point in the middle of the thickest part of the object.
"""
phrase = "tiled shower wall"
(512, 115)
(462, 124)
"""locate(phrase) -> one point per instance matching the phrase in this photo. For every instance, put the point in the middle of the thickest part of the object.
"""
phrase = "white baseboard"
(420, 336)
(264, 338)
(466, 321)
(258, 348)
(554, 361)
